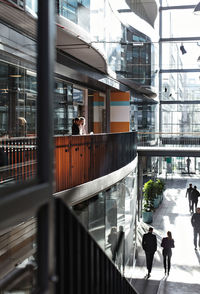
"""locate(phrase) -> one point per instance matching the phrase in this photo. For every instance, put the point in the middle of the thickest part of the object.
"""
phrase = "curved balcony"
(78, 159)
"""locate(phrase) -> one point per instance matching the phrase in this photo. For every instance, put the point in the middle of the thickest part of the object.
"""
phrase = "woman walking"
(167, 244)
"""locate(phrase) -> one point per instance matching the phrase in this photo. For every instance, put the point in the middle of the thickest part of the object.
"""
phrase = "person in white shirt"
(82, 126)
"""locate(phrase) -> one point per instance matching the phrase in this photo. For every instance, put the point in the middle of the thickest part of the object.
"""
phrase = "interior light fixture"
(182, 48)
(197, 9)
(138, 44)
(15, 76)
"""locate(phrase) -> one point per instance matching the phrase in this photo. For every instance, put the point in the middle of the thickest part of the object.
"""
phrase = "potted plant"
(149, 192)
(160, 187)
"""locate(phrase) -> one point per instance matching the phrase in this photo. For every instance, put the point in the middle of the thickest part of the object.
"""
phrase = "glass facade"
(113, 210)
(144, 120)
(178, 2)
(179, 82)
(180, 120)
(18, 101)
(128, 52)
(180, 93)
(18, 88)
(32, 7)
(179, 27)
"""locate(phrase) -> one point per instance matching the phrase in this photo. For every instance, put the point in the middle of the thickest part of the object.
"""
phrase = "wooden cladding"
(80, 159)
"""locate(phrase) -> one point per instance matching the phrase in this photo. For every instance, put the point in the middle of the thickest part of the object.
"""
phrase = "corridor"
(172, 215)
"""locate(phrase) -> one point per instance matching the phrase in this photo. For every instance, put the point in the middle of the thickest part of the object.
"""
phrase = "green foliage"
(149, 190)
(149, 193)
(148, 206)
(160, 186)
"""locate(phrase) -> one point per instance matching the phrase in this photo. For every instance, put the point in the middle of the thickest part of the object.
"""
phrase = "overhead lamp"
(197, 9)
(183, 51)
(138, 44)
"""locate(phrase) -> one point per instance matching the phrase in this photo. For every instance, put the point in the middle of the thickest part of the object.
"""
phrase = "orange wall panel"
(120, 96)
(97, 127)
(118, 127)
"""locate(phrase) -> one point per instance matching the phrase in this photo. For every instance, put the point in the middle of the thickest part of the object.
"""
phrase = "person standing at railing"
(75, 126)
(188, 194)
(82, 130)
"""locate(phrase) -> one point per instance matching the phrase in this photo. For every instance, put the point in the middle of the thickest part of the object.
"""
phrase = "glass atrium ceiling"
(178, 2)
(180, 68)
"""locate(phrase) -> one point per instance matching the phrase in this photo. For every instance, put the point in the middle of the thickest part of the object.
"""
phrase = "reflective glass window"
(178, 2)
(177, 26)
(110, 214)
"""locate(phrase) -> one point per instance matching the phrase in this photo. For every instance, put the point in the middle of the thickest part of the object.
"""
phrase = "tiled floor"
(173, 215)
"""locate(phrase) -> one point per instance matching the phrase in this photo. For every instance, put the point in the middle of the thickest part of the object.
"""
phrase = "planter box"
(156, 202)
(147, 216)
(160, 197)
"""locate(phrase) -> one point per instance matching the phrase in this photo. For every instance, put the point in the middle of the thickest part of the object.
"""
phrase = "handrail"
(78, 159)
(17, 276)
(169, 133)
(82, 266)
(168, 138)
(18, 158)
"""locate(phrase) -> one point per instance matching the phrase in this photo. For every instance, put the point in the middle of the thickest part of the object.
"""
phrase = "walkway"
(173, 215)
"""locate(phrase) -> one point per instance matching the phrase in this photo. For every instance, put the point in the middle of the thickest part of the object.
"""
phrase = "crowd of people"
(149, 240)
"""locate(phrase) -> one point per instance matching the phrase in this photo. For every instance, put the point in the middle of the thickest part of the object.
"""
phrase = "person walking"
(149, 244)
(195, 220)
(188, 165)
(167, 244)
(194, 198)
(121, 249)
(112, 239)
(188, 194)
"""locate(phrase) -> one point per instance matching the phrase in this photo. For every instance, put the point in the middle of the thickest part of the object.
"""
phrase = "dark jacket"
(195, 220)
(75, 129)
(3, 158)
(189, 192)
(194, 195)
(149, 242)
(112, 239)
(167, 244)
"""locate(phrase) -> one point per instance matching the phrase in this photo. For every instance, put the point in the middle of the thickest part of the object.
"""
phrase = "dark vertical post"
(139, 185)
(108, 111)
(160, 74)
(45, 81)
(42, 258)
